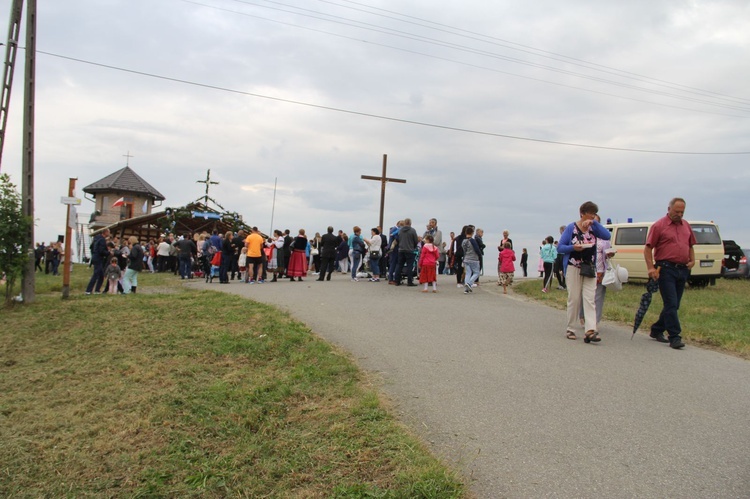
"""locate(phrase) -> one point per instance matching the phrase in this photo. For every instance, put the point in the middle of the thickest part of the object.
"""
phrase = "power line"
(401, 34)
(422, 54)
(539, 52)
(376, 116)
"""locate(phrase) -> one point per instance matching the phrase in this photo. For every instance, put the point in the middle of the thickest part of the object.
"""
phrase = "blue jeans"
(392, 265)
(671, 286)
(185, 271)
(472, 271)
(356, 260)
(375, 266)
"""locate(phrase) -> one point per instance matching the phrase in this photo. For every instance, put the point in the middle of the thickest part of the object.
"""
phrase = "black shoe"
(412, 284)
(676, 343)
(659, 337)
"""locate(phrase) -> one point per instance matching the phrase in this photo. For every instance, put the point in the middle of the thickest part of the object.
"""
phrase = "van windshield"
(706, 234)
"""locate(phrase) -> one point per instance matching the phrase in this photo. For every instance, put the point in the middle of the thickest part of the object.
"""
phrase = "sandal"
(570, 335)
(591, 336)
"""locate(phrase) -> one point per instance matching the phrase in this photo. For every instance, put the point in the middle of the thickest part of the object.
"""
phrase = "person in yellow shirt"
(254, 245)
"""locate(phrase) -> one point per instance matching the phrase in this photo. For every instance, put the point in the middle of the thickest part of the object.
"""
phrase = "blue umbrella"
(652, 286)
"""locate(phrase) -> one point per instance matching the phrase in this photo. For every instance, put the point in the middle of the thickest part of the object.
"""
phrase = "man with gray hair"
(437, 235)
(670, 256)
(407, 244)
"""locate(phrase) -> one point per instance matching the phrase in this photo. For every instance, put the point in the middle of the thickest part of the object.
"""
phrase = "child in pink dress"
(506, 268)
(428, 259)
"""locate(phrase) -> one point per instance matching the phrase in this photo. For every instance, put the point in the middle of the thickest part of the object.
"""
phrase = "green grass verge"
(715, 316)
(183, 394)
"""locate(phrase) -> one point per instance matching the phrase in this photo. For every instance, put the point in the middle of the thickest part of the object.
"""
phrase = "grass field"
(716, 316)
(181, 393)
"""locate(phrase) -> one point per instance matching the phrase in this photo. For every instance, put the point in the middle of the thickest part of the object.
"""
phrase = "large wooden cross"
(383, 179)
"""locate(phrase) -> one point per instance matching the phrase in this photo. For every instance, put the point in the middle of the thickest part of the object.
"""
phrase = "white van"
(629, 240)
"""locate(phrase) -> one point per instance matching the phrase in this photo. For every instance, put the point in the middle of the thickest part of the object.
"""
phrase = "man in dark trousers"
(558, 267)
(187, 250)
(669, 256)
(238, 243)
(328, 245)
(99, 261)
(407, 244)
(288, 240)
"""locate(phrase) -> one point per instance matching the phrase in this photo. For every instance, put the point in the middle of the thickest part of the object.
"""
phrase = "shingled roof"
(125, 180)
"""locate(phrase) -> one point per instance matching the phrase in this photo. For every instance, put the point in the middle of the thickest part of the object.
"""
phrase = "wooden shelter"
(192, 218)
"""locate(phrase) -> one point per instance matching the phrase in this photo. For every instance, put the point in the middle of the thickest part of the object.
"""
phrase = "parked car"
(629, 240)
(735, 261)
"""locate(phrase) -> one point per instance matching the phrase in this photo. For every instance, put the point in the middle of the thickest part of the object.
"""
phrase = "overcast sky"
(473, 102)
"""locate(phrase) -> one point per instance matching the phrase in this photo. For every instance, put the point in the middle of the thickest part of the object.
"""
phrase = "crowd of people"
(48, 257)
(118, 262)
(578, 260)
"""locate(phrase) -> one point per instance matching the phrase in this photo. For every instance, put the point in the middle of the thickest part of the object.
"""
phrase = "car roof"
(730, 245)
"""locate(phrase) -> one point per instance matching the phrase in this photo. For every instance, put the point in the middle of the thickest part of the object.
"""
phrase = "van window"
(634, 236)
(706, 234)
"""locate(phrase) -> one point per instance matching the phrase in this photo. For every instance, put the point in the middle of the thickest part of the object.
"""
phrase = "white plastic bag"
(613, 277)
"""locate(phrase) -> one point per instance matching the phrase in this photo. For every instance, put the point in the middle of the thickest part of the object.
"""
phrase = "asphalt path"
(494, 387)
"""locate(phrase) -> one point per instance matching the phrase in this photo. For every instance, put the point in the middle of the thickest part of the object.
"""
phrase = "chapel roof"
(125, 180)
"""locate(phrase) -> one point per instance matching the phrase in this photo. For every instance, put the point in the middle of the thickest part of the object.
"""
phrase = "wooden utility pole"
(27, 162)
(68, 255)
(383, 179)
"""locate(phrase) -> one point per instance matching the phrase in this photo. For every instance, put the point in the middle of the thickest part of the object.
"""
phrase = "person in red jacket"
(505, 267)
(428, 259)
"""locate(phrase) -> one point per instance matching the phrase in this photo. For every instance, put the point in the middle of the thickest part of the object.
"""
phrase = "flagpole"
(273, 207)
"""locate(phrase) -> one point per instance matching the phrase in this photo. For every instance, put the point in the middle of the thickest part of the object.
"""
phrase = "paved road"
(492, 384)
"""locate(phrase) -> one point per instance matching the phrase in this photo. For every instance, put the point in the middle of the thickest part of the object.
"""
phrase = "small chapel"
(121, 195)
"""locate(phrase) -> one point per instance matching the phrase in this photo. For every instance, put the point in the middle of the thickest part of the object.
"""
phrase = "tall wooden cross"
(208, 183)
(383, 179)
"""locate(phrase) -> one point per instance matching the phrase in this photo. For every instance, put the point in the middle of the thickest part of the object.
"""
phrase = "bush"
(14, 229)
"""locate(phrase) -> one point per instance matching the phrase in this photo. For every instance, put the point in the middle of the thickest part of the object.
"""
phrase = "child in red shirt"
(428, 258)
(505, 267)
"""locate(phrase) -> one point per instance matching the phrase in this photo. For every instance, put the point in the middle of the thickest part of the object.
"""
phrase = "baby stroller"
(215, 266)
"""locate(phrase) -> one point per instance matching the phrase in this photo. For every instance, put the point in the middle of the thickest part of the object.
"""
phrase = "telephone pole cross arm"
(383, 180)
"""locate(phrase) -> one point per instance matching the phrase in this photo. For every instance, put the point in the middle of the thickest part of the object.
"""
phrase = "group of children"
(429, 255)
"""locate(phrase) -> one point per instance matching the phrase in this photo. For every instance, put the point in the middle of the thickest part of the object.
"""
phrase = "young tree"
(14, 228)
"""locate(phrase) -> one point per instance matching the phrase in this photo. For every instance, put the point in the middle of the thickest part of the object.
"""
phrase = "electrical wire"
(536, 51)
(424, 39)
(382, 117)
(422, 54)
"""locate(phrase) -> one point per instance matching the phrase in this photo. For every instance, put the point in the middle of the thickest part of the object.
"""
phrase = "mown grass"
(715, 316)
(186, 393)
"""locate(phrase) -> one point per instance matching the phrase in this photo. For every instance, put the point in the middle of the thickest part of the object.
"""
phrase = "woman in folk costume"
(275, 253)
(298, 260)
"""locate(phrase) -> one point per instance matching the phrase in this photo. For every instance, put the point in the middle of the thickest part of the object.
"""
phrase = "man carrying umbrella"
(669, 257)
